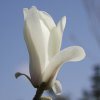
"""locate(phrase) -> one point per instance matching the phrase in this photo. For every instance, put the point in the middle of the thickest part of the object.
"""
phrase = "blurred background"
(80, 80)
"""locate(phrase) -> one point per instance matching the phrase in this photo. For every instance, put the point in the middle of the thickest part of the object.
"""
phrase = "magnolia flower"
(43, 39)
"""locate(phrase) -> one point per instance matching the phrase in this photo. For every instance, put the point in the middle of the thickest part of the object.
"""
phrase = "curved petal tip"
(81, 52)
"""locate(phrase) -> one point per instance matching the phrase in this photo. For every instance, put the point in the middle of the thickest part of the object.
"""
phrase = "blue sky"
(13, 53)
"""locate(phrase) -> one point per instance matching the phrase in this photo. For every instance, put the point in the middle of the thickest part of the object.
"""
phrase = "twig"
(39, 91)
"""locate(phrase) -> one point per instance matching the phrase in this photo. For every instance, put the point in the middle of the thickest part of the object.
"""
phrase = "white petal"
(25, 12)
(73, 53)
(35, 39)
(54, 43)
(57, 88)
(56, 38)
(61, 25)
(47, 19)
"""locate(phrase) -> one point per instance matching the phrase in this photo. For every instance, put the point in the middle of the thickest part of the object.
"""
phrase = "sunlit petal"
(70, 54)
(25, 11)
(61, 25)
(35, 40)
(47, 19)
(54, 43)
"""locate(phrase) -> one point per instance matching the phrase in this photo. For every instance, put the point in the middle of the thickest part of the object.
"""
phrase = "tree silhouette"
(94, 93)
(85, 95)
(96, 83)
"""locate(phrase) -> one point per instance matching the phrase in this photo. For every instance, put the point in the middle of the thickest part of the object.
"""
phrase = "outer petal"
(35, 39)
(56, 38)
(74, 53)
(25, 11)
(47, 19)
(61, 25)
(57, 88)
(54, 42)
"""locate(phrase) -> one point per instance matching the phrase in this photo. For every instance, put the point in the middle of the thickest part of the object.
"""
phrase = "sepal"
(18, 74)
(57, 88)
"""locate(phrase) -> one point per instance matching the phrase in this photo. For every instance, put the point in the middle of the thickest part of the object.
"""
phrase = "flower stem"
(39, 92)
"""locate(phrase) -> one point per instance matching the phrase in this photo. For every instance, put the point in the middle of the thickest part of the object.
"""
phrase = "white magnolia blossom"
(43, 39)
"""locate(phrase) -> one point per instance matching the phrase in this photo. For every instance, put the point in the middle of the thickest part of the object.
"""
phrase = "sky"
(14, 56)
